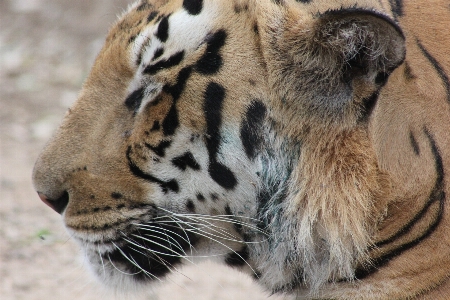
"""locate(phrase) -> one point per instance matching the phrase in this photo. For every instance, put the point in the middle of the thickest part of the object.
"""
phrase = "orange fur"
(366, 183)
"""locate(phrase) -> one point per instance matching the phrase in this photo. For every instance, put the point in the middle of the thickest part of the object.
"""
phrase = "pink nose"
(57, 205)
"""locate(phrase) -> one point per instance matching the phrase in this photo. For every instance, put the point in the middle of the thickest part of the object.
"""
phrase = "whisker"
(223, 218)
(203, 215)
(193, 231)
(220, 243)
(133, 262)
(228, 220)
(191, 247)
(219, 229)
(147, 227)
(155, 252)
(101, 260)
(220, 232)
(164, 262)
(120, 271)
(149, 257)
(160, 238)
(176, 254)
(219, 236)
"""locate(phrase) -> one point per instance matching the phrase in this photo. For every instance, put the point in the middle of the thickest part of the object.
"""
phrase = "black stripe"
(414, 144)
(438, 68)
(144, 6)
(186, 160)
(382, 78)
(116, 195)
(158, 53)
(214, 97)
(172, 61)
(211, 61)
(228, 211)
(152, 16)
(368, 105)
(160, 149)
(222, 175)
(437, 195)
(171, 121)
(132, 39)
(156, 126)
(136, 171)
(250, 134)
(162, 32)
(257, 275)
(177, 89)
(397, 7)
(408, 73)
(240, 8)
(139, 58)
(193, 7)
(407, 228)
(190, 206)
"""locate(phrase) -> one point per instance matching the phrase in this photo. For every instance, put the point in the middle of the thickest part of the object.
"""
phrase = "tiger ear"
(331, 65)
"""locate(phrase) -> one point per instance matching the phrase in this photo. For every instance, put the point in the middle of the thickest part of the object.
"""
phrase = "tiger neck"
(415, 218)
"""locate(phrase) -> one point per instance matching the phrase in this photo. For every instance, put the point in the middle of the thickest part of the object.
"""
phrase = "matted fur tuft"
(338, 198)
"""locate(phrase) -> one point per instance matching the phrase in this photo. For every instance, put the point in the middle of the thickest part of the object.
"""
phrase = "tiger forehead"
(158, 48)
(184, 37)
(167, 33)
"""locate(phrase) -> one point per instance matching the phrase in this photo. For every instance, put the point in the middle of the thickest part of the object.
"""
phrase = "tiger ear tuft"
(363, 42)
(327, 64)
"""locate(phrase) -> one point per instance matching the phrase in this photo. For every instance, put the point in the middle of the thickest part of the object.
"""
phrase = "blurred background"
(46, 50)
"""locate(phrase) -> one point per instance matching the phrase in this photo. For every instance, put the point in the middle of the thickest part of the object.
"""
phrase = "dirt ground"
(46, 49)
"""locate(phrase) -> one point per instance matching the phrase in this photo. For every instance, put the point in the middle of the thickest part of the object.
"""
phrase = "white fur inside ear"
(372, 36)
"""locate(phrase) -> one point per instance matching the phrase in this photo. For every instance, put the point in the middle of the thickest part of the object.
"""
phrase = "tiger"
(303, 142)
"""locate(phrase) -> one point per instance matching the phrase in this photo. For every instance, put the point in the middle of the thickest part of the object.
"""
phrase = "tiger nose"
(59, 204)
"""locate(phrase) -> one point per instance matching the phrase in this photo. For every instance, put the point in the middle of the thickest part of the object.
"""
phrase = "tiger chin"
(302, 142)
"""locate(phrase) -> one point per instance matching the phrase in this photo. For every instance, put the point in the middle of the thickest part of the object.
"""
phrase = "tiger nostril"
(57, 205)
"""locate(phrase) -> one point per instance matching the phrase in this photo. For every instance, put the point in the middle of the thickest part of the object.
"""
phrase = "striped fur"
(303, 142)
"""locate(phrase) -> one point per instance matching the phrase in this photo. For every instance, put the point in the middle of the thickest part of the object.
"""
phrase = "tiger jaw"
(145, 252)
(149, 248)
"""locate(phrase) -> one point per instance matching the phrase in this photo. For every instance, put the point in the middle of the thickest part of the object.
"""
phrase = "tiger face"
(258, 134)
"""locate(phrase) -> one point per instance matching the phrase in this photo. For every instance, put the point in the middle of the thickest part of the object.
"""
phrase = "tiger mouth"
(148, 256)
(149, 248)
(145, 251)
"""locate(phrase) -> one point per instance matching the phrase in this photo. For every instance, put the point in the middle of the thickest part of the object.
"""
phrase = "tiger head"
(296, 140)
